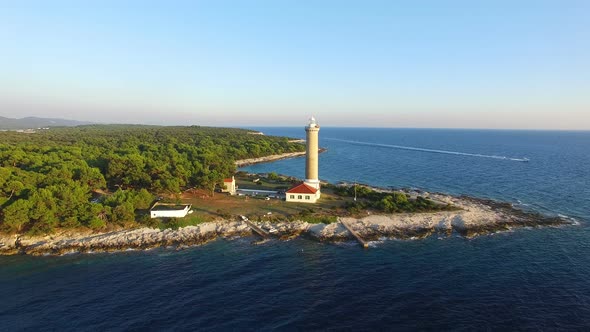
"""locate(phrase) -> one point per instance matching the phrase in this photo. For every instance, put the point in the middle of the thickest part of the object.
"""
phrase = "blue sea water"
(523, 279)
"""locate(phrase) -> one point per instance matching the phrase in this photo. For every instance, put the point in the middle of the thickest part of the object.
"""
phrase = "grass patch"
(319, 219)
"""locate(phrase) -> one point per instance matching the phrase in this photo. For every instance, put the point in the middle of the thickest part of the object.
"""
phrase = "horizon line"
(247, 126)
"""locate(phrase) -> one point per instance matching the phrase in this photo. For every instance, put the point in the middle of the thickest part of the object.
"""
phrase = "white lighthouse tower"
(311, 157)
(309, 190)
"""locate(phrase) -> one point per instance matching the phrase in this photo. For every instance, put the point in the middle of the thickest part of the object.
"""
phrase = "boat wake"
(411, 148)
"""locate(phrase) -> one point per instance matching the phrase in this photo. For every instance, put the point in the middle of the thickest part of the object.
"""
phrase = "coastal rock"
(8, 244)
(474, 217)
(471, 218)
(252, 161)
(142, 238)
(331, 232)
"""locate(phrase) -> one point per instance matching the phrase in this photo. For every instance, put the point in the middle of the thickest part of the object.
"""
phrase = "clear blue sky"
(476, 64)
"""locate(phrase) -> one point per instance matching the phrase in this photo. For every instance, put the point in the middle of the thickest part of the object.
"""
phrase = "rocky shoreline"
(274, 157)
(474, 217)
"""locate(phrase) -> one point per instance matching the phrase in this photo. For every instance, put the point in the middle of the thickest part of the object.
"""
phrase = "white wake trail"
(411, 148)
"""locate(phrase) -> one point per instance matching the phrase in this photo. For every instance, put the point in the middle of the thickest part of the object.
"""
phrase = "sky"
(435, 64)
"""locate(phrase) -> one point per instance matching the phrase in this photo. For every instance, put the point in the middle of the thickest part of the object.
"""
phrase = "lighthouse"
(308, 191)
(311, 157)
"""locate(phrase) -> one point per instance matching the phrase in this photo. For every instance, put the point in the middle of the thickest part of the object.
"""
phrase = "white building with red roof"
(229, 186)
(303, 193)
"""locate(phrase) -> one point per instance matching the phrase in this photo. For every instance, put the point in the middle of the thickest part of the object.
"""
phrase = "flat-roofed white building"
(163, 210)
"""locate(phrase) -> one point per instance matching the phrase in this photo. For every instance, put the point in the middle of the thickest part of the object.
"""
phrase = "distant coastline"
(274, 157)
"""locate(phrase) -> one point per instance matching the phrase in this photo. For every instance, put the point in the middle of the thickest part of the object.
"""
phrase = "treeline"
(390, 202)
(51, 178)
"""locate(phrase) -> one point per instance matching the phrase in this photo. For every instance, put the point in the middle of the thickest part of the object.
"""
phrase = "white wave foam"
(573, 220)
(411, 148)
(374, 244)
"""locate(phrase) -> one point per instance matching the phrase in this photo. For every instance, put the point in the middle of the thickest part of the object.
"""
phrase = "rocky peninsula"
(266, 159)
(472, 217)
(274, 157)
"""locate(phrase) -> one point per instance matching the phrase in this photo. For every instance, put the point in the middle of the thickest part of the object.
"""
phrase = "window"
(299, 197)
(292, 197)
(307, 197)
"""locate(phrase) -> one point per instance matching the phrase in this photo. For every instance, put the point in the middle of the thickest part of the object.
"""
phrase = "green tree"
(400, 198)
(92, 177)
(386, 204)
(14, 187)
(4, 176)
(16, 215)
(143, 199)
(123, 213)
(95, 216)
(56, 170)
(43, 210)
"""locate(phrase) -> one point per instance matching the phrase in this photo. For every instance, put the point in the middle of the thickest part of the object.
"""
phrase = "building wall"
(302, 198)
(229, 187)
(170, 213)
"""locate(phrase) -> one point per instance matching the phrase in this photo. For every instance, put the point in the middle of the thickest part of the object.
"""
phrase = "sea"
(523, 279)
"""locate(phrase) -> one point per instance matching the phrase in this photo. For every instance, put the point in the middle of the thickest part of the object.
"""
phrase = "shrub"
(319, 219)
(96, 223)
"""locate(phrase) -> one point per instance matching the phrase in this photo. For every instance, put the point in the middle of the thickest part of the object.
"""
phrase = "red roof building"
(302, 188)
(302, 193)
(229, 186)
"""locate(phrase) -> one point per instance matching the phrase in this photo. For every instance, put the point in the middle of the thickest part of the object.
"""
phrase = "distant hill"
(34, 122)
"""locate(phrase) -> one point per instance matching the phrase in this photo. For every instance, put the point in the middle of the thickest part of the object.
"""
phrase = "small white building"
(162, 210)
(229, 186)
(303, 193)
